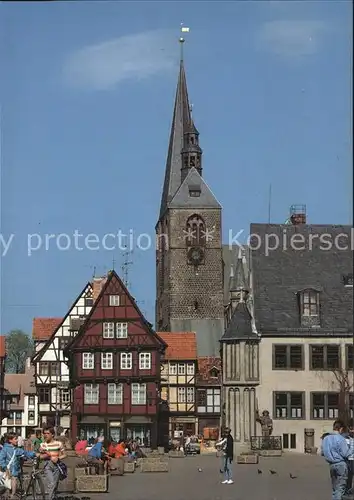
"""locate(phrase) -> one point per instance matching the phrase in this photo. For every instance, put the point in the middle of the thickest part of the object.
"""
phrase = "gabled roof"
(278, 275)
(240, 326)
(20, 384)
(205, 367)
(193, 182)
(55, 327)
(180, 345)
(111, 277)
(43, 328)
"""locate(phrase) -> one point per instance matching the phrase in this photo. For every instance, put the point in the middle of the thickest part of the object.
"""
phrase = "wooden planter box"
(148, 465)
(176, 454)
(129, 467)
(92, 484)
(247, 459)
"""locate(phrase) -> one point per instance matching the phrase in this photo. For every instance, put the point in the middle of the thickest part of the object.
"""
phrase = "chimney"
(97, 286)
(297, 214)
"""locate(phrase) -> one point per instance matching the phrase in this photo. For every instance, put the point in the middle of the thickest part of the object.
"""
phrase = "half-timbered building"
(23, 409)
(208, 397)
(114, 364)
(42, 330)
(51, 370)
(178, 375)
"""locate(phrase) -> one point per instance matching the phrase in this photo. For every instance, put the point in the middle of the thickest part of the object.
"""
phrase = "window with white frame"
(181, 395)
(181, 369)
(190, 394)
(190, 368)
(138, 394)
(107, 361)
(145, 361)
(108, 330)
(64, 396)
(88, 360)
(172, 370)
(114, 300)
(126, 361)
(91, 394)
(115, 394)
(122, 330)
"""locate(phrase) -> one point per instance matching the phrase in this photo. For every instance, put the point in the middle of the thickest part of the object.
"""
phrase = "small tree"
(343, 378)
(19, 347)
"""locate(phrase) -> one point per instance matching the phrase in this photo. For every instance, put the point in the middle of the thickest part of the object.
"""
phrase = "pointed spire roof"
(237, 276)
(181, 123)
(240, 326)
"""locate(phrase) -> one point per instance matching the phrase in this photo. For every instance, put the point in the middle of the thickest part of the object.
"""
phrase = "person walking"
(336, 452)
(52, 451)
(227, 447)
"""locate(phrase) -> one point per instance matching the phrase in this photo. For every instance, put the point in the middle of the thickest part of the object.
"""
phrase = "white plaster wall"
(302, 380)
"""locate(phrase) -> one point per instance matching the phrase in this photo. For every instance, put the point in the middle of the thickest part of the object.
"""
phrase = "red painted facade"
(94, 414)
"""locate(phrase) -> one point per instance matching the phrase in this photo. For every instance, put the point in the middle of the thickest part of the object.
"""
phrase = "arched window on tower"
(195, 231)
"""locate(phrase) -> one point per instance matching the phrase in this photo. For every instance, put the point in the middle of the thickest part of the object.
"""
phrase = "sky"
(87, 91)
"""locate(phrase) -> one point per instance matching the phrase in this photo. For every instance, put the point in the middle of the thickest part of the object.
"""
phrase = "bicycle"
(35, 487)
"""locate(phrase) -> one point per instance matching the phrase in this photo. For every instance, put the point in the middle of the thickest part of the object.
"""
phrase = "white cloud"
(103, 66)
(291, 39)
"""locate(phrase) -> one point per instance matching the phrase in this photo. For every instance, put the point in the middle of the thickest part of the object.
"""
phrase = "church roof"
(194, 182)
(180, 124)
(240, 326)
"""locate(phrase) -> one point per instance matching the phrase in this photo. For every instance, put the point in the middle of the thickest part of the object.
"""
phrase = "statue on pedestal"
(266, 423)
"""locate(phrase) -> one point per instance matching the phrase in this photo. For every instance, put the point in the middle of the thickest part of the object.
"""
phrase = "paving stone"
(186, 481)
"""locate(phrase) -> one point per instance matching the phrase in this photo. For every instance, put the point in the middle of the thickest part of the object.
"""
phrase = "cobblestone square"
(185, 481)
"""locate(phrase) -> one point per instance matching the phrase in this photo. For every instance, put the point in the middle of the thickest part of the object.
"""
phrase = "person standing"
(52, 451)
(336, 452)
(227, 447)
(350, 442)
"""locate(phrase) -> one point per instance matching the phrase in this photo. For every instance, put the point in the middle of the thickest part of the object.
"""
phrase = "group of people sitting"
(99, 452)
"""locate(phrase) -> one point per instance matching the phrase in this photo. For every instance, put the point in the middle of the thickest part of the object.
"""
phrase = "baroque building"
(189, 257)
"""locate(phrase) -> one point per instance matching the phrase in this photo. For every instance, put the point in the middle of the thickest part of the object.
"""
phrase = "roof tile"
(43, 328)
(181, 345)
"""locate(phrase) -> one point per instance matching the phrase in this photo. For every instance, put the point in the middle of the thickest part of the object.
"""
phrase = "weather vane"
(184, 29)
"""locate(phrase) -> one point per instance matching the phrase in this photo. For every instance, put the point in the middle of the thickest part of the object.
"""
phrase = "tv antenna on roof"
(127, 262)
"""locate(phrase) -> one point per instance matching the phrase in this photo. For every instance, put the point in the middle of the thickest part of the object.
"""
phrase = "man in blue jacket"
(336, 451)
(10, 459)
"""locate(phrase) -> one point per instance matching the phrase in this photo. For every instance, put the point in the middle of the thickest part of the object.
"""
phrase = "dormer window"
(194, 191)
(309, 301)
(348, 280)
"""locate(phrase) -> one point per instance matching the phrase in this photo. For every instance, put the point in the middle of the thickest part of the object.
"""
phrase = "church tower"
(189, 264)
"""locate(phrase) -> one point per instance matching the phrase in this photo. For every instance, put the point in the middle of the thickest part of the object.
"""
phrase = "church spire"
(238, 283)
(184, 152)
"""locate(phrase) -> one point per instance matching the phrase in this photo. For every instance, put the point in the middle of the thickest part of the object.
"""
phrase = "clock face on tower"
(196, 256)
